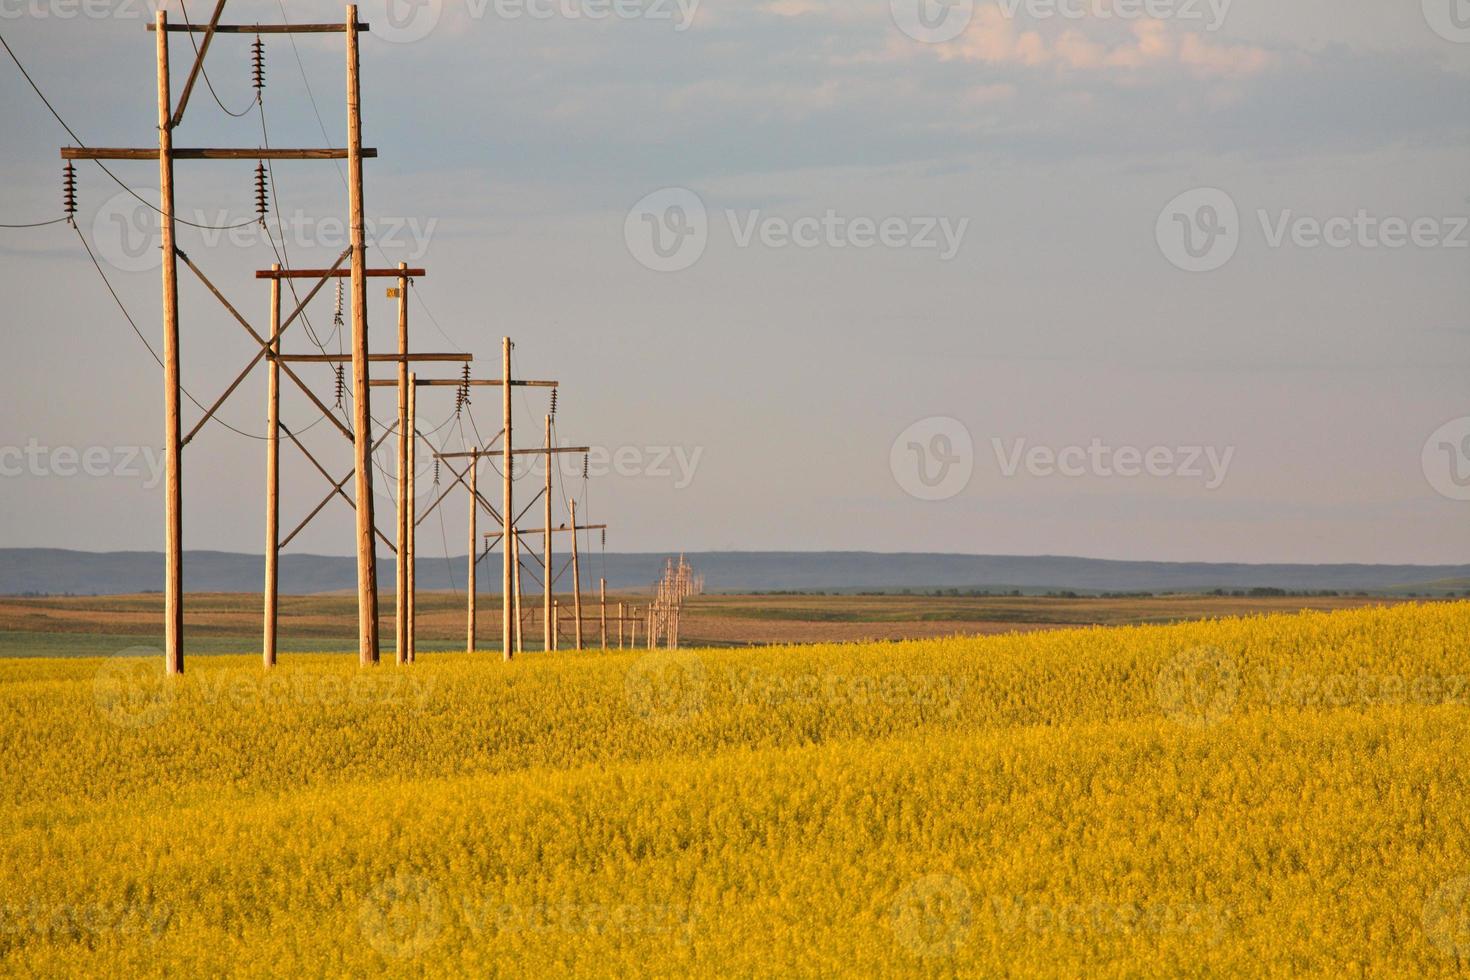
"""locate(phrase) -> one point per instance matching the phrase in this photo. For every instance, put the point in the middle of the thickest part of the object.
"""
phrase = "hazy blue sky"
(870, 275)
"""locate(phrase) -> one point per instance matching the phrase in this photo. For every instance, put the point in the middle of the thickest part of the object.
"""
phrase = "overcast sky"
(1173, 279)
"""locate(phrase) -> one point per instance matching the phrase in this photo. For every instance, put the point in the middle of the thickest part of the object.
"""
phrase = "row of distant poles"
(350, 267)
(678, 583)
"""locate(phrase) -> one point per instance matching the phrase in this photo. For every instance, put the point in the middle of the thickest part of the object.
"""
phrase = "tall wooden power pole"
(400, 584)
(515, 539)
(272, 477)
(507, 504)
(173, 587)
(362, 433)
(546, 575)
(470, 585)
(408, 557)
(576, 576)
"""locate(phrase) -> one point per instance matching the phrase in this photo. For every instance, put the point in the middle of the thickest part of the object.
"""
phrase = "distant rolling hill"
(53, 572)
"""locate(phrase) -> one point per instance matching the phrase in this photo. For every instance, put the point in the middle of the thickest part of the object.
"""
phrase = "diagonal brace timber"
(458, 478)
(265, 348)
(337, 486)
(219, 8)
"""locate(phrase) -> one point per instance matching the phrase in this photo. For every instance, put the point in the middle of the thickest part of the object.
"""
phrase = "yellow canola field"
(1275, 795)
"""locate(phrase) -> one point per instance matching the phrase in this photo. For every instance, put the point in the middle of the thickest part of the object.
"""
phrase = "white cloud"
(995, 39)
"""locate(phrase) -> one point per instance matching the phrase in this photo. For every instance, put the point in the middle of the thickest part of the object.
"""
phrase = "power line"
(38, 224)
(283, 254)
(133, 323)
(316, 111)
(183, 4)
(79, 142)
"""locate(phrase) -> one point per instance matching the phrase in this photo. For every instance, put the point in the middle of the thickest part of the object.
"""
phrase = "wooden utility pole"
(507, 502)
(515, 537)
(474, 555)
(272, 476)
(576, 576)
(555, 626)
(622, 617)
(405, 436)
(602, 603)
(173, 587)
(409, 558)
(367, 558)
(546, 576)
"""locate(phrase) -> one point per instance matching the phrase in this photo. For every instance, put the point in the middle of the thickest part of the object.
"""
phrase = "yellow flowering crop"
(1274, 795)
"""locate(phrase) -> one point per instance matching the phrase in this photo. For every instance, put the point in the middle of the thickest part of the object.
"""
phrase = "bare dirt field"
(230, 623)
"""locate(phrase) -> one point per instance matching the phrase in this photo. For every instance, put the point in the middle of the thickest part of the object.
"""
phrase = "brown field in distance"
(230, 623)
